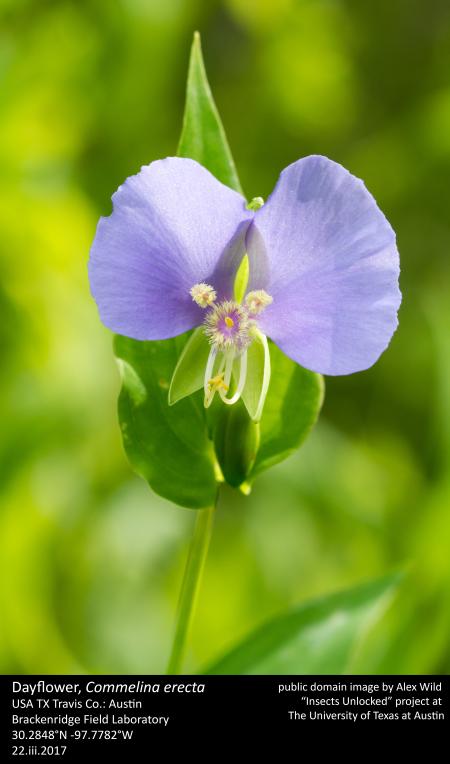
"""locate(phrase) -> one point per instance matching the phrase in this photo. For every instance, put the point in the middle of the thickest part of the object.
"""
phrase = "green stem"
(190, 586)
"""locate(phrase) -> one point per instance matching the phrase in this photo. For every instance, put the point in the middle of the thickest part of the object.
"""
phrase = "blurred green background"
(90, 559)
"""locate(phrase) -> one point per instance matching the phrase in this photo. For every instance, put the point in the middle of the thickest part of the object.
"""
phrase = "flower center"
(227, 325)
(230, 328)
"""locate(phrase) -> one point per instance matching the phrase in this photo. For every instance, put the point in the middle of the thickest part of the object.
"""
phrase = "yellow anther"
(229, 322)
(217, 383)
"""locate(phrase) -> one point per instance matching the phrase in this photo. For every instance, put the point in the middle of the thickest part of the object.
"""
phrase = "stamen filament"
(266, 376)
(212, 384)
(229, 358)
(209, 393)
(241, 383)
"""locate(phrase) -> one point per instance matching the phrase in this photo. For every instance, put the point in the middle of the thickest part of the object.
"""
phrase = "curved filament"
(241, 383)
(266, 376)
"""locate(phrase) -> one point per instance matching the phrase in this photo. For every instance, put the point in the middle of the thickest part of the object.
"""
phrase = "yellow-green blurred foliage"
(90, 558)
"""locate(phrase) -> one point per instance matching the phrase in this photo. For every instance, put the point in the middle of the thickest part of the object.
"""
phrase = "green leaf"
(319, 637)
(168, 446)
(203, 137)
(292, 406)
(189, 373)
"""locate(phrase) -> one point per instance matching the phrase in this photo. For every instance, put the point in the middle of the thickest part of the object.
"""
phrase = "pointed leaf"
(203, 137)
(319, 637)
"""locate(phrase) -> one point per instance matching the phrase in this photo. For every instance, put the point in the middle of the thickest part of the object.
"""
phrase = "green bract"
(181, 449)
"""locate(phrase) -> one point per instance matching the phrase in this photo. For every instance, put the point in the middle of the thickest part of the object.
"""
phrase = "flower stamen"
(256, 301)
(241, 383)
(209, 391)
(217, 383)
(231, 327)
(203, 294)
(266, 377)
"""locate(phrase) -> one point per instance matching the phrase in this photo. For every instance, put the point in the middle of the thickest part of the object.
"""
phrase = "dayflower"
(322, 279)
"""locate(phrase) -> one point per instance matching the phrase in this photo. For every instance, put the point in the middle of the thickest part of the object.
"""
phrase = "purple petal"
(327, 255)
(173, 225)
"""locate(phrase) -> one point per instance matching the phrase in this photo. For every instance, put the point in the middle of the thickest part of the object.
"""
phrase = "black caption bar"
(65, 717)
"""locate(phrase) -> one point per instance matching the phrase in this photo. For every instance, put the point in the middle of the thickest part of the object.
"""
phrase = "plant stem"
(190, 587)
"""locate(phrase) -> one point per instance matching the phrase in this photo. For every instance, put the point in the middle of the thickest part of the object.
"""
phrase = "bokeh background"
(90, 558)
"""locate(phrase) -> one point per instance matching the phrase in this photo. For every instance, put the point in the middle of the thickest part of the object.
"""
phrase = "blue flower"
(323, 268)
